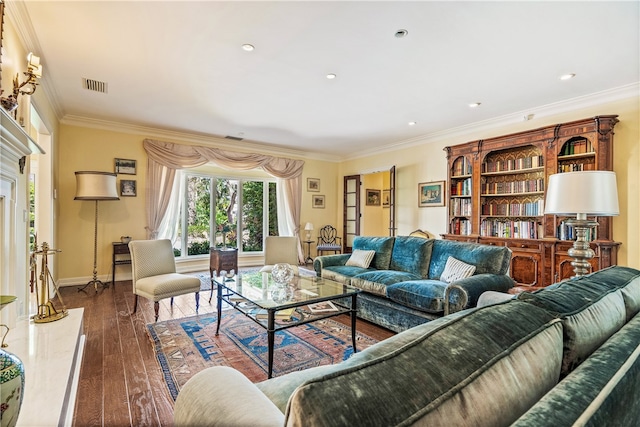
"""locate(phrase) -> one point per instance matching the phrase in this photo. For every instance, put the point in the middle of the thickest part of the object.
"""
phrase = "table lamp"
(96, 186)
(583, 194)
(308, 228)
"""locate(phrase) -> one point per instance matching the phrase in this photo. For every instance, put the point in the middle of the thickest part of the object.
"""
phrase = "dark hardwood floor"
(121, 382)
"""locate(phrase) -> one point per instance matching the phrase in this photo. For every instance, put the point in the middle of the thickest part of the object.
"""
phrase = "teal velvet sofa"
(401, 287)
(564, 356)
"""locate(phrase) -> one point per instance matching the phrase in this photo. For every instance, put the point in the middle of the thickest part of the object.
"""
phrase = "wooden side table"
(121, 256)
(223, 259)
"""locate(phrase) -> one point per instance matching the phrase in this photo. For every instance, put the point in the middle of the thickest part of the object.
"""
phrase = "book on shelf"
(322, 307)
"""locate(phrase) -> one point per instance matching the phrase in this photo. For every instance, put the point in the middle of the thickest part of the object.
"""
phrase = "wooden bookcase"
(497, 191)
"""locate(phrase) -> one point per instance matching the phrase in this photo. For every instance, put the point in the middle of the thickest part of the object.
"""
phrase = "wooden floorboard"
(121, 383)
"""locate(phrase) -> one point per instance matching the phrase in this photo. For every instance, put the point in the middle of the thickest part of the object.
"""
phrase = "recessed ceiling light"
(401, 33)
(567, 76)
(474, 104)
(331, 76)
(248, 47)
(412, 123)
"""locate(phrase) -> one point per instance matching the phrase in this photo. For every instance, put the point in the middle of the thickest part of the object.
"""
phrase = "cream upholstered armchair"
(153, 267)
(280, 249)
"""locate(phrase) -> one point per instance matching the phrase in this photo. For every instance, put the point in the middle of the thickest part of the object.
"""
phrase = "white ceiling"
(179, 65)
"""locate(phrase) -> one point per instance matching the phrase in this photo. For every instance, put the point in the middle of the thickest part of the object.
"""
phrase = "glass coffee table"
(275, 307)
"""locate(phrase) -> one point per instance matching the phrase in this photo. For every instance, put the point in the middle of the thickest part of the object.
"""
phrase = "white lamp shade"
(308, 226)
(586, 192)
(91, 185)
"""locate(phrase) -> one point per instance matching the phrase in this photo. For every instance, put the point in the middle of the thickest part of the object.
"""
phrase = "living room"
(92, 143)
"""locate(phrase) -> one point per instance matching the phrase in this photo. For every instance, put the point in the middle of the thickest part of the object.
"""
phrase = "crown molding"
(193, 138)
(472, 130)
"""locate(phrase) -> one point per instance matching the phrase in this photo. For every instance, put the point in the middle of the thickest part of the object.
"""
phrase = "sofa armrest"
(464, 293)
(222, 396)
(325, 261)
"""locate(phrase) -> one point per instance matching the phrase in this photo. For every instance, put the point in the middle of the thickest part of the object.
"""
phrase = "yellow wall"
(426, 161)
(83, 148)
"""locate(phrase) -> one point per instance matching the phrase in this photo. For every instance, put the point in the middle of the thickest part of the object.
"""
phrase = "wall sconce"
(34, 72)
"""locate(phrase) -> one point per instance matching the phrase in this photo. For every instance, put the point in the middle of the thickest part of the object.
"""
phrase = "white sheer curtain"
(164, 158)
(170, 224)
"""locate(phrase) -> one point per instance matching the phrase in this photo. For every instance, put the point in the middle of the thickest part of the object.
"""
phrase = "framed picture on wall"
(313, 184)
(126, 166)
(431, 194)
(318, 202)
(386, 198)
(128, 188)
(373, 197)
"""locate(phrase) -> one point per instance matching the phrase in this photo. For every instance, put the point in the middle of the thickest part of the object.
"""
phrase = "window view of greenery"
(210, 214)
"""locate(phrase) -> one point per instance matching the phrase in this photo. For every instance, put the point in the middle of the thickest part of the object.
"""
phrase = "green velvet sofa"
(564, 356)
(401, 287)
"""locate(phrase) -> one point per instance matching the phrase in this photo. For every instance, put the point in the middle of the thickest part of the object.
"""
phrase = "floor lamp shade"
(92, 185)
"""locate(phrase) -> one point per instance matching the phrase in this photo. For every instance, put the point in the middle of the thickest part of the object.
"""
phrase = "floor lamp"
(96, 186)
(583, 194)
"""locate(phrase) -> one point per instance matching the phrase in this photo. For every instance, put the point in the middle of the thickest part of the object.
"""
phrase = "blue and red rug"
(186, 346)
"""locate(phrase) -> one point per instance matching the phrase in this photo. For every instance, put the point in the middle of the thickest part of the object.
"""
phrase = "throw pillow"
(456, 270)
(360, 258)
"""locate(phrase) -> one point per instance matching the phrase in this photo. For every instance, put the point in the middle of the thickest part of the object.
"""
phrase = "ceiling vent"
(235, 138)
(94, 85)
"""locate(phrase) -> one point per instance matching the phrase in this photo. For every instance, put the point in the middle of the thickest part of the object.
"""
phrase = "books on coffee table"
(284, 314)
(322, 307)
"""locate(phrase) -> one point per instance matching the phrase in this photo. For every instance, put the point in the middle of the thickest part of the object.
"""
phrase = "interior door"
(351, 220)
(392, 201)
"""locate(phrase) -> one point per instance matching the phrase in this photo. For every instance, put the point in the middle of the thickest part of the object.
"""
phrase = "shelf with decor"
(504, 180)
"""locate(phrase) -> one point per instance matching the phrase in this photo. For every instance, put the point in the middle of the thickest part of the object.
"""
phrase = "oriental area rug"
(186, 346)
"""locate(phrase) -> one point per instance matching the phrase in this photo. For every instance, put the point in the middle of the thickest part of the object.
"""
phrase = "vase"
(11, 388)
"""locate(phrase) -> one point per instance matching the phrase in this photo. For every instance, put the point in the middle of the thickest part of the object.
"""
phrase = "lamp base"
(581, 251)
(95, 282)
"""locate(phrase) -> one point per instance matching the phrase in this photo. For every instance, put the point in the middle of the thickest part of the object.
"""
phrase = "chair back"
(280, 249)
(327, 235)
(151, 258)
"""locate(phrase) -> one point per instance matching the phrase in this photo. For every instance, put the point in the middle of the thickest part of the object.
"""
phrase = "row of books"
(568, 232)
(514, 209)
(512, 187)
(287, 313)
(510, 229)
(461, 226)
(513, 164)
(461, 207)
(582, 146)
(461, 166)
(461, 188)
(575, 167)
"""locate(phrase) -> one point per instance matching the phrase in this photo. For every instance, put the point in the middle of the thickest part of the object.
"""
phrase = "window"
(225, 212)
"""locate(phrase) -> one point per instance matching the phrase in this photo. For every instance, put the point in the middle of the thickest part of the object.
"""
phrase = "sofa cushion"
(360, 258)
(411, 254)
(341, 273)
(383, 247)
(424, 295)
(486, 258)
(459, 373)
(376, 281)
(590, 313)
(455, 269)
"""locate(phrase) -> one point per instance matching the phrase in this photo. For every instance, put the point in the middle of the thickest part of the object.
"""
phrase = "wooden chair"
(153, 267)
(328, 240)
(280, 249)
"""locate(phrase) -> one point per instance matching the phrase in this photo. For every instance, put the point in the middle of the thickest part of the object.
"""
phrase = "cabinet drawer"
(519, 245)
(491, 242)
(563, 246)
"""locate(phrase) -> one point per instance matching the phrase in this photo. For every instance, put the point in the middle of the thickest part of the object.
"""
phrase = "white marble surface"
(52, 354)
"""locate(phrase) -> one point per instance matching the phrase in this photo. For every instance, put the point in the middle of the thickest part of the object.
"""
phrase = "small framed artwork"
(313, 184)
(128, 188)
(318, 202)
(386, 198)
(431, 194)
(126, 166)
(373, 197)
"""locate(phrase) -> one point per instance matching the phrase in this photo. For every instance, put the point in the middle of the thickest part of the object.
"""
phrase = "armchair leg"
(135, 303)
(156, 308)
(197, 301)
(171, 301)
